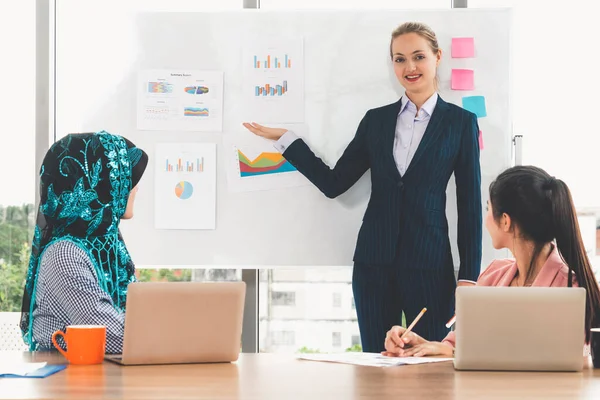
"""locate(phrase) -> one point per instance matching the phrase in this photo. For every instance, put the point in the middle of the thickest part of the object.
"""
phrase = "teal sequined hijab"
(85, 182)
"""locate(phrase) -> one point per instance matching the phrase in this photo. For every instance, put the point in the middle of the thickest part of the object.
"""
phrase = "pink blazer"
(554, 273)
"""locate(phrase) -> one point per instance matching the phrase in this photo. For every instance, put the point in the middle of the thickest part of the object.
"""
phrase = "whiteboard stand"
(254, 220)
(518, 149)
(460, 3)
(251, 278)
(250, 324)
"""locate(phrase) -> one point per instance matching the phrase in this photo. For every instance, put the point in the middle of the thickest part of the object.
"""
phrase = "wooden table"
(274, 376)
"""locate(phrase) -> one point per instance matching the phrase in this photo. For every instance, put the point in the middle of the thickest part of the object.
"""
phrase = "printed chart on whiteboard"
(180, 100)
(273, 71)
(185, 186)
(254, 164)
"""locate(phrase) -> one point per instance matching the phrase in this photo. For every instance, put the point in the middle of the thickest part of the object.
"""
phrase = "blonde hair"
(422, 30)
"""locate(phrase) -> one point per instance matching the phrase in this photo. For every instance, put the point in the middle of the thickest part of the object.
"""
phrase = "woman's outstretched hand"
(265, 131)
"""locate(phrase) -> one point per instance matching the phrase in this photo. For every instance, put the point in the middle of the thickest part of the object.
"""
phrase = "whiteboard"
(347, 71)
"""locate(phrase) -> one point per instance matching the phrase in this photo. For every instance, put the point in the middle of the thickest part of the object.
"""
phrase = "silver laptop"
(182, 322)
(524, 329)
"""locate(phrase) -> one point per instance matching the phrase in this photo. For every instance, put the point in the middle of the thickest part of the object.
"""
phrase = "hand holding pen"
(401, 342)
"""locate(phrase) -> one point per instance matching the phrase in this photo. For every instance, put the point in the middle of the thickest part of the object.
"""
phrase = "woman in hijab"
(79, 267)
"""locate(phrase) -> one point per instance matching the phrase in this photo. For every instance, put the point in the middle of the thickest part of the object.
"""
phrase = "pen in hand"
(412, 325)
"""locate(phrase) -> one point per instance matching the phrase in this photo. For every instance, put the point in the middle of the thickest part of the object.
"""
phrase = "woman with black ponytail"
(530, 213)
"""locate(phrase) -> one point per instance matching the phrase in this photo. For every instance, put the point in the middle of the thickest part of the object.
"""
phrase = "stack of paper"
(370, 359)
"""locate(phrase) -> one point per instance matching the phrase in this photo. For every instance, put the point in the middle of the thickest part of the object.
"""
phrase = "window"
(336, 339)
(352, 4)
(589, 225)
(312, 318)
(17, 152)
(188, 275)
(355, 340)
(284, 298)
(17, 162)
(283, 338)
(337, 300)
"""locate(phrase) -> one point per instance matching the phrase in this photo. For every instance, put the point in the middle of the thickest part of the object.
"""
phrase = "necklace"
(516, 282)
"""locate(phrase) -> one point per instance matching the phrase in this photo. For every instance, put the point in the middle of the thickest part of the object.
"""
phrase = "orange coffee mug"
(86, 344)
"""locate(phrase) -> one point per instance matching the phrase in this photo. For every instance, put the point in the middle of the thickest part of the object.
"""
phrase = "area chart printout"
(273, 72)
(185, 186)
(180, 100)
(254, 164)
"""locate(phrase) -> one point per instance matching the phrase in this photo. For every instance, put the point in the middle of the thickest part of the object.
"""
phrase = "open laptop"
(522, 329)
(182, 322)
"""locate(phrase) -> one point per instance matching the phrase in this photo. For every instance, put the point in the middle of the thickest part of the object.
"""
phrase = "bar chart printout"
(185, 186)
(273, 80)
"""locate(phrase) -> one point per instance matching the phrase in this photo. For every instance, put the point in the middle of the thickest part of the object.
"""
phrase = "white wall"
(555, 89)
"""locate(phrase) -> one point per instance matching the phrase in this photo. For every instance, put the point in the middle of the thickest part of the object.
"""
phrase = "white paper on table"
(370, 359)
(19, 368)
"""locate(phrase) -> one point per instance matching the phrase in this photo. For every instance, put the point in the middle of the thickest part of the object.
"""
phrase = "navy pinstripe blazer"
(405, 221)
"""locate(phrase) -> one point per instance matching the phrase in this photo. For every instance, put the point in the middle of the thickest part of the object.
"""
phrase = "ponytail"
(542, 207)
(571, 248)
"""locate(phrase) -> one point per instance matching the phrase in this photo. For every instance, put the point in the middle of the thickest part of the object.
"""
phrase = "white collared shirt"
(410, 128)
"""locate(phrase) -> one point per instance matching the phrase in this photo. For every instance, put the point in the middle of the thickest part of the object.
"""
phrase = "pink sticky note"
(463, 47)
(480, 141)
(463, 79)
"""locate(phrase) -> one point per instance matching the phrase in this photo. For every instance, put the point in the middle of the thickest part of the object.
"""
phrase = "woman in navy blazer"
(402, 260)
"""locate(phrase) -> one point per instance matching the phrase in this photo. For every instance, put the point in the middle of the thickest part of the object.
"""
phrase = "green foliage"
(12, 239)
(144, 275)
(16, 232)
(164, 275)
(355, 348)
(18, 216)
(12, 281)
(306, 350)
(181, 275)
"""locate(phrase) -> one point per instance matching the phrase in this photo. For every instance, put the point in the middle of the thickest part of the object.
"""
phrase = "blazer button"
(400, 184)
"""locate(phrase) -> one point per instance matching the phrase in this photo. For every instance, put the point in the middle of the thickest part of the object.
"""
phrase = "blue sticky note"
(475, 104)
